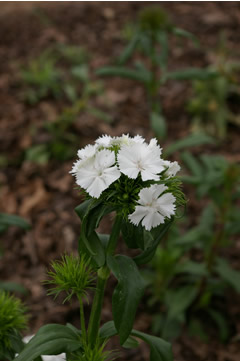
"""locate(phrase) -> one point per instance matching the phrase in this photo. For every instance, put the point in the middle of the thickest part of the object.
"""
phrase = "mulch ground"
(45, 194)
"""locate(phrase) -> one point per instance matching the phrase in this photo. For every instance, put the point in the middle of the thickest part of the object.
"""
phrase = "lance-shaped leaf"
(91, 213)
(126, 295)
(157, 235)
(158, 124)
(228, 274)
(191, 74)
(193, 164)
(132, 235)
(191, 140)
(7, 220)
(142, 76)
(128, 51)
(162, 38)
(12, 287)
(160, 350)
(108, 330)
(51, 339)
(185, 34)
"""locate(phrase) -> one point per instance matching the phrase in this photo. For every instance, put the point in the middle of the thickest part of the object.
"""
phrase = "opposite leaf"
(160, 349)
(51, 339)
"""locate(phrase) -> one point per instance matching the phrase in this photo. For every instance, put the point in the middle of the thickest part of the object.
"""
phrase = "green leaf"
(157, 235)
(191, 74)
(104, 238)
(126, 295)
(188, 239)
(71, 93)
(132, 235)
(196, 329)
(101, 115)
(91, 213)
(191, 140)
(171, 328)
(221, 323)
(228, 274)
(107, 330)
(12, 220)
(185, 34)
(51, 339)
(128, 51)
(15, 346)
(162, 37)
(82, 208)
(131, 343)
(160, 349)
(12, 287)
(192, 163)
(80, 72)
(94, 245)
(193, 268)
(38, 154)
(179, 300)
(144, 77)
(158, 125)
(207, 219)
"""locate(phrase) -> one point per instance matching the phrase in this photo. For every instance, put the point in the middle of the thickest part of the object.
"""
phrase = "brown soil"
(45, 194)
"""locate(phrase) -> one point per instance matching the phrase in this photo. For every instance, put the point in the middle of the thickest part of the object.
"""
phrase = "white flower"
(172, 168)
(124, 139)
(107, 141)
(140, 158)
(87, 152)
(104, 140)
(138, 139)
(153, 207)
(95, 174)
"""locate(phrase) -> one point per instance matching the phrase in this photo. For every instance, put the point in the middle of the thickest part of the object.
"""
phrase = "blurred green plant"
(42, 78)
(61, 72)
(7, 220)
(190, 275)
(13, 320)
(150, 37)
(213, 101)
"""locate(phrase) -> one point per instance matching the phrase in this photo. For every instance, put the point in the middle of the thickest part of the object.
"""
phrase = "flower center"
(139, 165)
(152, 204)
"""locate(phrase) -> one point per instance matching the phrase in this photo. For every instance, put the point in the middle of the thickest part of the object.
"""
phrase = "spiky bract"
(71, 274)
(12, 318)
(96, 353)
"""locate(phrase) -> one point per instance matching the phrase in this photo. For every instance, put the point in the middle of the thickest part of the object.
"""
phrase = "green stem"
(114, 235)
(212, 255)
(95, 317)
(82, 320)
(103, 275)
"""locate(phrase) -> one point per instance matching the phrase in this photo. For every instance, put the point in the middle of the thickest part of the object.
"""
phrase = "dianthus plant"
(126, 179)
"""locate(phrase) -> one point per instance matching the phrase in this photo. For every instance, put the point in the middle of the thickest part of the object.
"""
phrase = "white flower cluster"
(101, 164)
